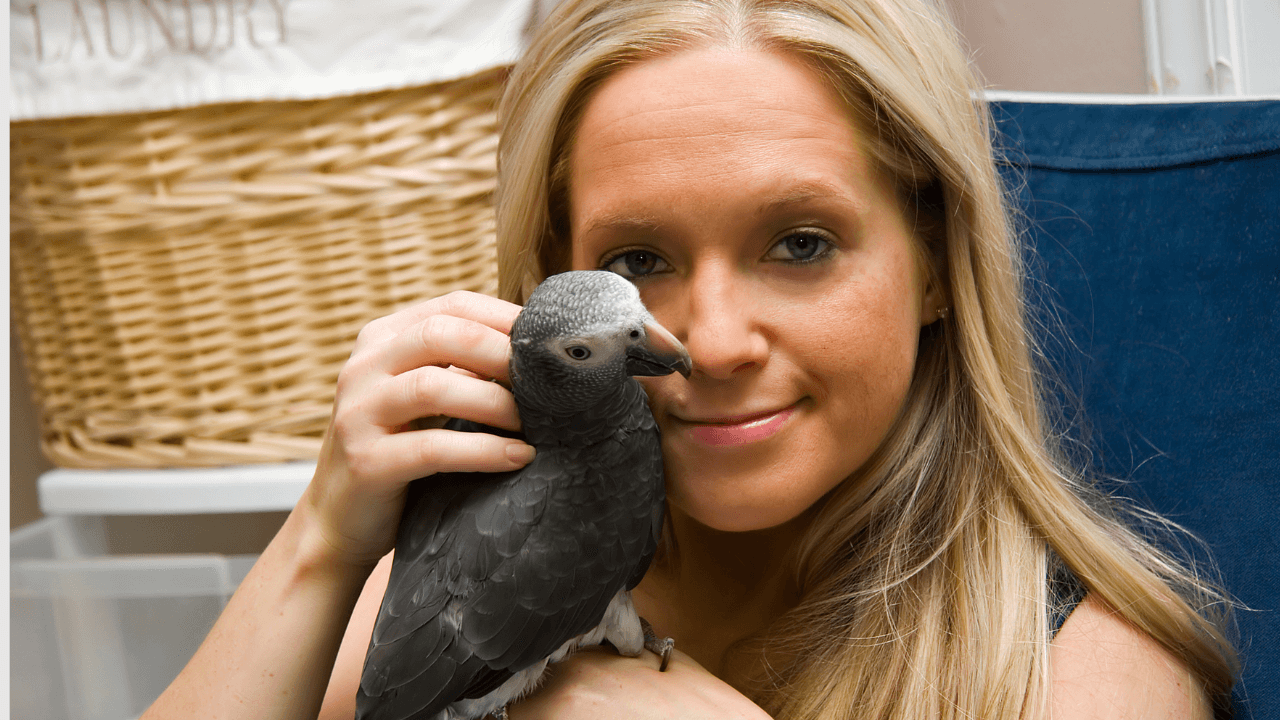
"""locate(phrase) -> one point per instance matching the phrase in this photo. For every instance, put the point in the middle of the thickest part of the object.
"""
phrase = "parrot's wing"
(494, 572)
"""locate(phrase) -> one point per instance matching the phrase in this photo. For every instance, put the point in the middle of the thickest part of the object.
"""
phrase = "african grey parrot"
(494, 574)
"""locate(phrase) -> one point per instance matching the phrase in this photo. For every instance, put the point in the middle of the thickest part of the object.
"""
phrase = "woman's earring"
(943, 312)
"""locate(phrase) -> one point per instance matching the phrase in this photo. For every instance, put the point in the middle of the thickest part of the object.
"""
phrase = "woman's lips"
(739, 430)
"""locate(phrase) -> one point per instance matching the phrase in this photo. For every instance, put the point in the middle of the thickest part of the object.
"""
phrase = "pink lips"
(740, 431)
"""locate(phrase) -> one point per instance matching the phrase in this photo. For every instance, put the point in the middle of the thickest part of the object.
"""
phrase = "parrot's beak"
(659, 353)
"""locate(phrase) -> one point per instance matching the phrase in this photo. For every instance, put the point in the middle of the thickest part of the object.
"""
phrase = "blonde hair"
(925, 574)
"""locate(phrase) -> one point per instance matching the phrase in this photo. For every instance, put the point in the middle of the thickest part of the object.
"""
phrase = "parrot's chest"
(602, 480)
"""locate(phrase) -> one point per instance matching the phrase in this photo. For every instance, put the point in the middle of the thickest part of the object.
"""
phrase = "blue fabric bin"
(1156, 228)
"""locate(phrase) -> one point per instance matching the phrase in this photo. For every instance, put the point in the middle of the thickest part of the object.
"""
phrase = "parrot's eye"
(578, 352)
(635, 334)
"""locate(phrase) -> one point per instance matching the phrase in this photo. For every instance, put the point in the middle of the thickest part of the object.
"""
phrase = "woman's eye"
(800, 246)
(635, 263)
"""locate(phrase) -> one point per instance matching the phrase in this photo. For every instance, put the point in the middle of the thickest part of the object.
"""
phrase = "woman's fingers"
(404, 456)
(449, 340)
(496, 314)
(440, 340)
(432, 391)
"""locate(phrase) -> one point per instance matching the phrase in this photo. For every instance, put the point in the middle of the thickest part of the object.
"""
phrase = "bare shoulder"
(1103, 667)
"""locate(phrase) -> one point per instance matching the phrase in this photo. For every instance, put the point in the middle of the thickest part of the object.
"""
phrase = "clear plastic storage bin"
(99, 638)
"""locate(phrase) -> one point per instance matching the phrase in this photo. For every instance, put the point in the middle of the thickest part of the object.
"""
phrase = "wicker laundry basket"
(187, 284)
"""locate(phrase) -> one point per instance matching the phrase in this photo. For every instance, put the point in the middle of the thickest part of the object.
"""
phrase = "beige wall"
(1092, 46)
(1045, 45)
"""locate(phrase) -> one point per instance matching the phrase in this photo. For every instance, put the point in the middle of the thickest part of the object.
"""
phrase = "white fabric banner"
(92, 57)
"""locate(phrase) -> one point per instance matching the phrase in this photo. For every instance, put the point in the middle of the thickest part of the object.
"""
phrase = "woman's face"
(732, 187)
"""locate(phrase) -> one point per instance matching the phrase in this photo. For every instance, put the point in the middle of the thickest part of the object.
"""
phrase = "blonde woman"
(870, 516)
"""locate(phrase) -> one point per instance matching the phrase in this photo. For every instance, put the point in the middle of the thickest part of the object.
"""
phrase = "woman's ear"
(933, 304)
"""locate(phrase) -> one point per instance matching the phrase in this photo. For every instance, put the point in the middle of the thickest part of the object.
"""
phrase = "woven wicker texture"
(187, 284)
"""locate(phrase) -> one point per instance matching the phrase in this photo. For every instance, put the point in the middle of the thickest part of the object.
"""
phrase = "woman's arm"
(1101, 667)
(598, 684)
(271, 650)
(271, 653)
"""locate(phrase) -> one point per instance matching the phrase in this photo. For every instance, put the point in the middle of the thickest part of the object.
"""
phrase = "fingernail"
(520, 453)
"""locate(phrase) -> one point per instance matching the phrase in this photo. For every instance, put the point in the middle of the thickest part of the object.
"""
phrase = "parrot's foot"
(500, 713)
(661, 647)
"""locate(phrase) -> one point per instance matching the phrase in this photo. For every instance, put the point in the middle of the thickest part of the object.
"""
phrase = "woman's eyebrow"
(622, 221)
(805, 193)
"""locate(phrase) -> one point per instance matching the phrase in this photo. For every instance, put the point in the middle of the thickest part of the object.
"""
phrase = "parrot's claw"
(661, 647)
(500, 713)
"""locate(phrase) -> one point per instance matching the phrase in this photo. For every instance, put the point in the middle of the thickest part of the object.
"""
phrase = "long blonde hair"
(924, 574)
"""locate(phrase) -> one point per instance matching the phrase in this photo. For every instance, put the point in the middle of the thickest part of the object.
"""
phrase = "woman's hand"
(597, 683)
(434, 359)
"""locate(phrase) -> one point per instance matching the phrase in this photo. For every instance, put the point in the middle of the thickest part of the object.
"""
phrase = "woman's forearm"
(271, 651)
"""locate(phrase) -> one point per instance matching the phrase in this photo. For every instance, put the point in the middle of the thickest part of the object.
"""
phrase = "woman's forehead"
(704, 94)
(713, 126)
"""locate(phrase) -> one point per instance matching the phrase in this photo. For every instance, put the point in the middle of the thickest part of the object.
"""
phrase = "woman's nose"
(722, 329)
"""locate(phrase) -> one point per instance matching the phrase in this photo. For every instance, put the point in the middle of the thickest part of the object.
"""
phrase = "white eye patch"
(584, 352)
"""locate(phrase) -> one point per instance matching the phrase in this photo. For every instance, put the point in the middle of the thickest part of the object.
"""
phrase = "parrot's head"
(581, 335)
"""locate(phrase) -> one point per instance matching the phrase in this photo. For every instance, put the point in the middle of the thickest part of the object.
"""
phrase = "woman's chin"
(735, 517)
